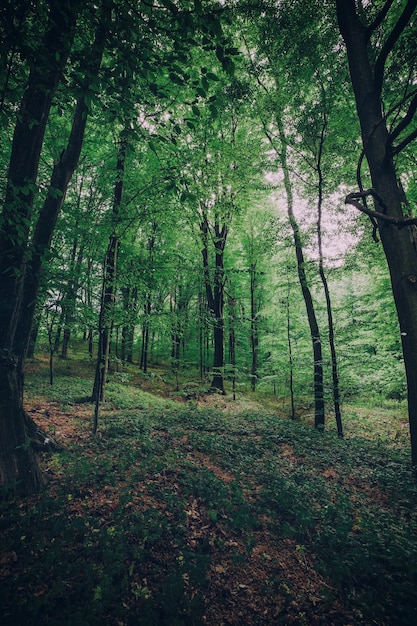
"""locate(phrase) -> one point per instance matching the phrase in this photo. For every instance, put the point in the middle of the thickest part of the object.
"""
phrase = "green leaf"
(213, 111)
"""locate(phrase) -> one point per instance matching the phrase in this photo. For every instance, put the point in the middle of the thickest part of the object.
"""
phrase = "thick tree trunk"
(17, 462)
(19, 470)
(399, 243)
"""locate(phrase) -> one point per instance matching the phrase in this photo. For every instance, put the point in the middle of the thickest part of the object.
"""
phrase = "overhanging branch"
(354, 200)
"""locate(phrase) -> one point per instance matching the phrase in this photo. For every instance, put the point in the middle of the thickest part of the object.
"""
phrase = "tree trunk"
(18, 468)
(290, 357)
(215, 297)
(322, 273)
(232, 342)
(318, 385)
(254, 336)
(109, 281)
(367, 73)
(19, 471)
(130, 298)
(145, 334)
(104, 326)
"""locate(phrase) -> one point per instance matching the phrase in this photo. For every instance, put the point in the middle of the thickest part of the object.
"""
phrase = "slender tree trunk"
(367, 74)
(130, 297)
(254, 335)
(322, 273)
(232, 342)
(109, 284)
(104, 324)
(215, 297)
(202, 335)
(71, 293)
(318, 385)
(290, 357)
(145, 334)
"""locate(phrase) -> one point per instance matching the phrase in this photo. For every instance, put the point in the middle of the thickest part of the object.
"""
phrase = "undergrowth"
(179, 513)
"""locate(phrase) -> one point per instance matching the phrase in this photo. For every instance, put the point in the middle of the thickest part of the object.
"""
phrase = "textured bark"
(19, 471)
(62, 173)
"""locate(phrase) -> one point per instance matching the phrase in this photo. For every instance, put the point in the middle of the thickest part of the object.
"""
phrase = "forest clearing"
(208, 510)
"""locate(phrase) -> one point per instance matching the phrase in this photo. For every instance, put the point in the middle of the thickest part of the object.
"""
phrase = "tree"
(109, 281)
(18, 467)
(373, 36)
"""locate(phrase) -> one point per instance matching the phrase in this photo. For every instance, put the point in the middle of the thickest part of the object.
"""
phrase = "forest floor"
(187, 508)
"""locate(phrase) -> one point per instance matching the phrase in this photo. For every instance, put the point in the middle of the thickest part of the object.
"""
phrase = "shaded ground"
(208, 511)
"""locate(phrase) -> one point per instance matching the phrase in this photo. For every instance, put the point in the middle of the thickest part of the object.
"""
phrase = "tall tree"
(373, 36)
(109, 281)
(18, 467)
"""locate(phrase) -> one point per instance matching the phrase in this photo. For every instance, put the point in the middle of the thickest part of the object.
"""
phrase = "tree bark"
(367, 73)
(18, 467)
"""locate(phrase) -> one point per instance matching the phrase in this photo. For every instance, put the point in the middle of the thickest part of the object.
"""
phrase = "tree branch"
(405, 142)
(391, 41)
(353, 199)
(407, 119)
(379, 18)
